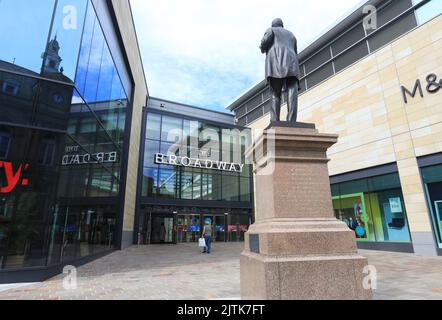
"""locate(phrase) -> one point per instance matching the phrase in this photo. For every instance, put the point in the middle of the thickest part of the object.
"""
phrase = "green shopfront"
(371, 203)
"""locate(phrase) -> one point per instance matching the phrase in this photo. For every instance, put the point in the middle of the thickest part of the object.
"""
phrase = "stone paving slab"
(181, 272)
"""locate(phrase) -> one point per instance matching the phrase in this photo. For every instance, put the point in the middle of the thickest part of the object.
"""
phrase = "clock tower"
(51, 58)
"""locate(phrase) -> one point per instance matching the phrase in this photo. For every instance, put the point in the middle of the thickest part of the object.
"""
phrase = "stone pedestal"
(297, 249)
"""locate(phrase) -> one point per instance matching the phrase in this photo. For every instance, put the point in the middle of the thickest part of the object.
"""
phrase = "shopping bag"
(202, 243)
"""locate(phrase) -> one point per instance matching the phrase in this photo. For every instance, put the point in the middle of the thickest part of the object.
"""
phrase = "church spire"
(52, 59)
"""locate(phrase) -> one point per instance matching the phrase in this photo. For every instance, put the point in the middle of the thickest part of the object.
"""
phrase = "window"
(351, 56)
(168, 183)
(373, 208)
(348, 39)
(320, 75)
(392, 32)
(10, 88)
(47, 151)
(230, 187)
(5, 142)
(153, 130)
(432, 177)
(151, 148)
(318, 59)
(185, 183)
(172, 129)
(150, 182)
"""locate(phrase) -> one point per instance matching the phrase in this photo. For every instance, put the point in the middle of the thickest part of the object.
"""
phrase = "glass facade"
(173, 135)
(373, 208)
(432, 178)
(62, 124)
(189, 195)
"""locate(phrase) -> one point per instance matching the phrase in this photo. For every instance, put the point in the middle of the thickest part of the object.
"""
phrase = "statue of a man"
(282, 69)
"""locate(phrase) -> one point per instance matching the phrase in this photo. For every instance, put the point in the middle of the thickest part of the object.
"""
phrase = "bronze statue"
(282, 69)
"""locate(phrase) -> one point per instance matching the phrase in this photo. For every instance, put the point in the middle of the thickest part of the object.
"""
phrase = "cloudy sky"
(206, 52)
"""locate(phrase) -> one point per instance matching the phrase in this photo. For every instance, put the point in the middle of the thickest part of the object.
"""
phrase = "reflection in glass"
(41, 221)
(428, 11)
(373, 208)
(432, 177)
(150, 182)
(172, 129)
(153, 130)
(163, 133)
(168, 182)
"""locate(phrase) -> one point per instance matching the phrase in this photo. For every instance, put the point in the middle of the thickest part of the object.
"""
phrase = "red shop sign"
(13, 178)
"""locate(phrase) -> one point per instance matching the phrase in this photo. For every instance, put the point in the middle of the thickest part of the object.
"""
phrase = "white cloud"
(206, 52)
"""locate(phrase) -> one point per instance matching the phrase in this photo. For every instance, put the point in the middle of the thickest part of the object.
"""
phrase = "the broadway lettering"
(197, 163)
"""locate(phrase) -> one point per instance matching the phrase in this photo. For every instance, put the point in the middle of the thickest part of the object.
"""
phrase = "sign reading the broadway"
(197, 163)
(96, 158)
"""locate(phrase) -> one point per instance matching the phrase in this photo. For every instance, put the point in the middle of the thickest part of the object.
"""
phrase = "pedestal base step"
(303, 278)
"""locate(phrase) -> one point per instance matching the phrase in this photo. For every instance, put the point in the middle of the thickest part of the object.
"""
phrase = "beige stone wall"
(127, 30)
(363, 104)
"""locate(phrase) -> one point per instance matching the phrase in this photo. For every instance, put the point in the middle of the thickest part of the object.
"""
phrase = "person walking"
(207, 235)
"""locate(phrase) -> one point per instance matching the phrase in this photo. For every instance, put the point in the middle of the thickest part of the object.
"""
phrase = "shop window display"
(375, 209)
(432, 178)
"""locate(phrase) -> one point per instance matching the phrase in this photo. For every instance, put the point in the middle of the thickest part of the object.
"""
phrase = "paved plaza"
(181, 272)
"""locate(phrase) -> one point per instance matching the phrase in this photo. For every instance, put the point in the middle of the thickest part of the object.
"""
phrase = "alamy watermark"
(370, 21)
(70, 280)
(370, 282)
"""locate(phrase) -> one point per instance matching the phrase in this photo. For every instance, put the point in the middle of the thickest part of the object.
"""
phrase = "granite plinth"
(297, 249)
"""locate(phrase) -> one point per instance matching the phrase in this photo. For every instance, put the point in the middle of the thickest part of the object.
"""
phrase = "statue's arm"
(267, 41)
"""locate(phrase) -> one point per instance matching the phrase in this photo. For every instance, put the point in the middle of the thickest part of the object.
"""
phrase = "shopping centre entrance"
(156, 227)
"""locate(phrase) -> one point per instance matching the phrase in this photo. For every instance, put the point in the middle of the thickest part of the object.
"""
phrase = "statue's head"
(277, 23)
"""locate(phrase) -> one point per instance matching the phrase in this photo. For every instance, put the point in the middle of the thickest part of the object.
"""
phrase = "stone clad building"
(386, 170)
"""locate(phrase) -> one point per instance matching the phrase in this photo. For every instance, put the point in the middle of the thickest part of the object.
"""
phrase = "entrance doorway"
(162, 231)
(156, 227)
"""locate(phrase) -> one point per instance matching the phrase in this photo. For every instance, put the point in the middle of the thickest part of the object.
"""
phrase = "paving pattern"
(182, 273)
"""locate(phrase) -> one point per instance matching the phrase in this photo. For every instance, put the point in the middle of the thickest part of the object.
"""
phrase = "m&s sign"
(13, 176)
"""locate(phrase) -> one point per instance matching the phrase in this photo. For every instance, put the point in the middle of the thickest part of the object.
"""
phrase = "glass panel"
(392, 32)
(5, 141)
(31, 21)
(373, 208)
(197, 184)
(153, 130)
(320, 75)
(162, 230)
(168, 187)
(237, 226)
(434, 195)
(348, 39)
(432, 174)
(150, 182)
(230, 187)
(245, 190)
(67, 32)
(186, 184)
(352, 210)
(151, 148)
(354, 54)
(188, 228)
(428, 11)
(218, 227)
(214, 187)
(172, 129)
(391, 11)
(318, 59)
